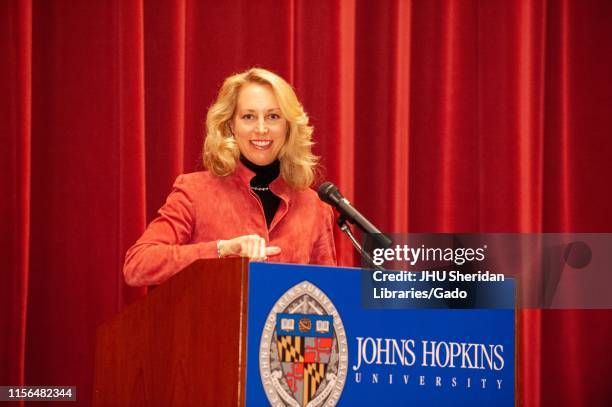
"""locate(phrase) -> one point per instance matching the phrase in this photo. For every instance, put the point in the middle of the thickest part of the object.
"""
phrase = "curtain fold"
(430, 116)
(130, 167)
(165, 49)
(15, 170)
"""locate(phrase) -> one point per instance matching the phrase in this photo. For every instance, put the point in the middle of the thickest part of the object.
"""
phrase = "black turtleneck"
(264, 175)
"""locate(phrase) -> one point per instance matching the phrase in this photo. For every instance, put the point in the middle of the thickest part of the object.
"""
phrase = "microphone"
(330, 194)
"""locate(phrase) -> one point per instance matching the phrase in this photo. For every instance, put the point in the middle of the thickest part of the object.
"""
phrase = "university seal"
(303, 354)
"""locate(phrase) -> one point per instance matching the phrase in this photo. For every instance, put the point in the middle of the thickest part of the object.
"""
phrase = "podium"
(183, 344)
(229, 332)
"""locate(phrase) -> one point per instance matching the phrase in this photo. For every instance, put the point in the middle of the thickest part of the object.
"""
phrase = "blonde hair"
(221, 153)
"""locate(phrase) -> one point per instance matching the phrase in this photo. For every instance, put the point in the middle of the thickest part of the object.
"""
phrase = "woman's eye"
(248, 116)
(274, 116)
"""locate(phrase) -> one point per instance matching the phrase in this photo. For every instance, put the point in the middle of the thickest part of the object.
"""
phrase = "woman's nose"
(261, 126)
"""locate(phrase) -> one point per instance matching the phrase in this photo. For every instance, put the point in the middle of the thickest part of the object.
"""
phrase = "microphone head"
(329, 193)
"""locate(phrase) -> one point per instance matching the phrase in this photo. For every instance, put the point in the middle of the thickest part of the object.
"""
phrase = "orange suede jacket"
(203, 208)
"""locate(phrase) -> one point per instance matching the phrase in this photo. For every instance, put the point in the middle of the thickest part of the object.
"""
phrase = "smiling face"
(258, 125)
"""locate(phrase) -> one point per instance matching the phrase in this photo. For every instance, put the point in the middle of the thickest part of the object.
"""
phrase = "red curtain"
(431, 116)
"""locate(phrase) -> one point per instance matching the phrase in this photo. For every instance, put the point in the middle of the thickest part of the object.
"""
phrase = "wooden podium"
(183, 344)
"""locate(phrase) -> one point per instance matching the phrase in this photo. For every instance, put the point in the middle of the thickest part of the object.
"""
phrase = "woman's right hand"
(251, 246)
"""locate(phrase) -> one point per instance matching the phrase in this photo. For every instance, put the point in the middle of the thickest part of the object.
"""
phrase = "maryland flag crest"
(303, 352)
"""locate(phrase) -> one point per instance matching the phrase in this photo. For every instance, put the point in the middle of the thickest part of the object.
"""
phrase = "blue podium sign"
(312, 343)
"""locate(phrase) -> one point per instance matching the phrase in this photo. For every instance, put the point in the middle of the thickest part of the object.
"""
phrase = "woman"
(254, 201)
